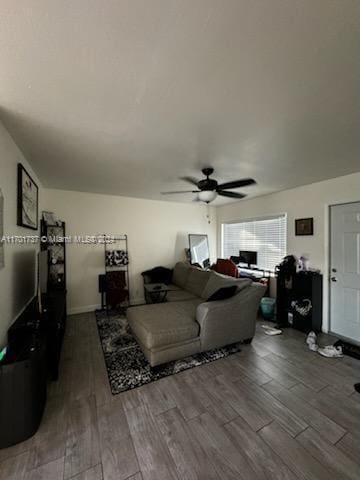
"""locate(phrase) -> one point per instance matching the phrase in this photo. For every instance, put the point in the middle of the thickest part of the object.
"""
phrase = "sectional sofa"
(187, 323)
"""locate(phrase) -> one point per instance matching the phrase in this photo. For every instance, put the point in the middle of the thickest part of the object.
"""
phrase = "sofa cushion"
(177, 294)
(223, 293)
(197, 280)
(180, 274)
(163, 324)
(217, 281)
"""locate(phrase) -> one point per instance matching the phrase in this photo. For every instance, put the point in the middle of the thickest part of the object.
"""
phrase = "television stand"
(23, 378)
(33, 354)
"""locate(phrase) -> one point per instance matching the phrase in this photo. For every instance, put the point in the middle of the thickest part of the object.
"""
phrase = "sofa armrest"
(229, 321)
(146, 278)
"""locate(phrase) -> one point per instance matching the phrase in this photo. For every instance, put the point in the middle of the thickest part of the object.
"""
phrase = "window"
(266, 236)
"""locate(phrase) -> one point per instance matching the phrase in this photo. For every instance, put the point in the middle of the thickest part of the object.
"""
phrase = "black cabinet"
(300, 295)
(23, 395)
(33, 354)
(23, 378)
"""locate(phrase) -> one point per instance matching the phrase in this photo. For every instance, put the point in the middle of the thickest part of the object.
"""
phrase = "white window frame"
(253, 219)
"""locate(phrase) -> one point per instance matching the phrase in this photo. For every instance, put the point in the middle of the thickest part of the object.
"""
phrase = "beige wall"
(17, 278)
(307, 201)
(157, 233)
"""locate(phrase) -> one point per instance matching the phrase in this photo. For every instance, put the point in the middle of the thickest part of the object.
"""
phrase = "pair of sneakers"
(311, 341)
(329, 351)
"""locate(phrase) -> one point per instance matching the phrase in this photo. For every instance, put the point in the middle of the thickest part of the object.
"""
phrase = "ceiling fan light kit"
(209, 189)
(207, 196)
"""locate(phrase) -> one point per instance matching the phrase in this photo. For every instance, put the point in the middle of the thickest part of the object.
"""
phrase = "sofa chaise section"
(166, 331)
(187, 323)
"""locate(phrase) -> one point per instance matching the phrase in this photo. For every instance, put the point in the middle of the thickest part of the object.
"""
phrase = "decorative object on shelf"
(49, 218)
(302, 307)
(1, 229)
(304, 226)
(116, 258)
(27, 200)
(304, 262)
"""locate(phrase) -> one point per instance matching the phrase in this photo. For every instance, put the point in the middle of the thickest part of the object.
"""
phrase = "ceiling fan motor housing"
(207, 184)
(207, 171)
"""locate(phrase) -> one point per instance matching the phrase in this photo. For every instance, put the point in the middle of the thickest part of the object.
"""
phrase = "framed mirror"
(199, 250)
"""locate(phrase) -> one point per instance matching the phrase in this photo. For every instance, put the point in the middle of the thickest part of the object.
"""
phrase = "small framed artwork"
(304, 226)
(27, 200)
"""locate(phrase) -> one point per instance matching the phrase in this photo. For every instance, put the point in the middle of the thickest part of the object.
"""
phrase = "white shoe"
(272, 331)
(313, 347)
(311, 338)
(331, 352)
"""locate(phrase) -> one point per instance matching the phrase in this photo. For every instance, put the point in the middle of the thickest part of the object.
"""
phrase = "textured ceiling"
(125, 96)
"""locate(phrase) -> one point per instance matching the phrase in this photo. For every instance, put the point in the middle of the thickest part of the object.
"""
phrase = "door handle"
(334, 279)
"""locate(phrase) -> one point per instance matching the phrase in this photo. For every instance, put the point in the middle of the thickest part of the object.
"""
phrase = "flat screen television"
(248, 257)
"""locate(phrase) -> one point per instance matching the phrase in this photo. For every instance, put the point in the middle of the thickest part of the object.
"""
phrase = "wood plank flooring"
(274, 411)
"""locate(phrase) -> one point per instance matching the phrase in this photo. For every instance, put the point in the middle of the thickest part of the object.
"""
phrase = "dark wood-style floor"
(273, 411)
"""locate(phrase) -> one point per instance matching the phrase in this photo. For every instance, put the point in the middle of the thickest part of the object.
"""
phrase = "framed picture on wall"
(304, 226)
(27, 200)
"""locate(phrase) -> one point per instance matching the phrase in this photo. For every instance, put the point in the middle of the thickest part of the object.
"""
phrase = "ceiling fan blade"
(191, 180)
(244, 182)
(231, 194)
(181, 191)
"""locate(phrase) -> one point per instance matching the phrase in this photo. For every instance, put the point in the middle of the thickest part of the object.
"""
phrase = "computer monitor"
(250, 258)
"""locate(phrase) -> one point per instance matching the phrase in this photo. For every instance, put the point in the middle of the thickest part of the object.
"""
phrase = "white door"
(345, 271)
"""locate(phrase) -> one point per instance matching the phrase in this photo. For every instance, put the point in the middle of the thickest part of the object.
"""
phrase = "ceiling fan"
(209, 189)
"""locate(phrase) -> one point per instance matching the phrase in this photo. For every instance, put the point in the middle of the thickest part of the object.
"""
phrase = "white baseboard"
(137, 301)
(84, 309)
(92, 308)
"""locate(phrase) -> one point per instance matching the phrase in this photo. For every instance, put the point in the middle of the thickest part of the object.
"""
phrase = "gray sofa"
(187, 324)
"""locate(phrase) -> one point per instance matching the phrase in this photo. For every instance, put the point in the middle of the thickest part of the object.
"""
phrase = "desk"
(255, 272)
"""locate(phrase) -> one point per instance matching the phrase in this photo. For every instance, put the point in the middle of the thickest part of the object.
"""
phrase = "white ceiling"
(125, 96)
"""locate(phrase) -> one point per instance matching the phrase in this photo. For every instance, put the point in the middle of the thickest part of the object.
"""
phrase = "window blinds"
(266, 236)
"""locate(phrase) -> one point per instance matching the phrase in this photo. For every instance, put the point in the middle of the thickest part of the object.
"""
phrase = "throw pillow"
(197, 280)
(223, 293)
(217, 281)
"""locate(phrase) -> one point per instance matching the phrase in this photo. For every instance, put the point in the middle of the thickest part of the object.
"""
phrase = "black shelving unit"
(56, 254)
(304, 288)
(54, 300)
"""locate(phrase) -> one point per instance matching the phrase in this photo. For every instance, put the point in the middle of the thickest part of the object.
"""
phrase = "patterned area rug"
(127, 366)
